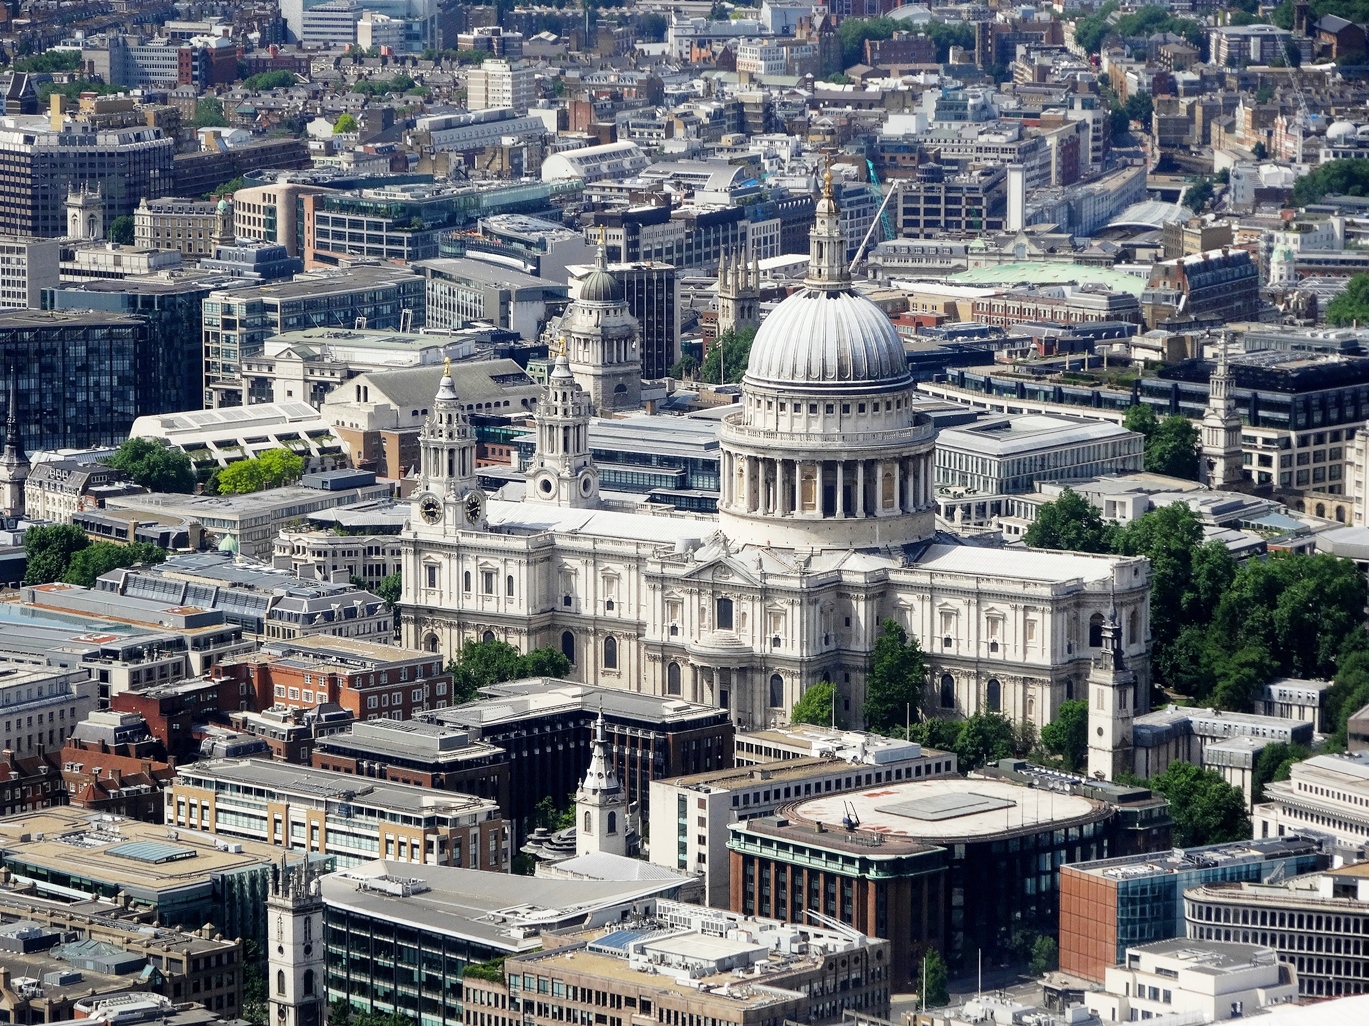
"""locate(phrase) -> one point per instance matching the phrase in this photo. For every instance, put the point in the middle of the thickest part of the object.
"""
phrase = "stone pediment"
(725, 569)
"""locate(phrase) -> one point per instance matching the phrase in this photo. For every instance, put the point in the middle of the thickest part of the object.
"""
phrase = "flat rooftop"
(540, 696)
(1183, 860)
(952, 808)
(1004, 437)
(1209, 957)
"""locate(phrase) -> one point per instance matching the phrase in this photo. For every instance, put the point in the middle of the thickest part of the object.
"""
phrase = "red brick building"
(30, 782)
(113, 764)
(173, 710)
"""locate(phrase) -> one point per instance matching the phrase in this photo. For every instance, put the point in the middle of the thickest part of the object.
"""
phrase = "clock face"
(473, 508)
(430, 509)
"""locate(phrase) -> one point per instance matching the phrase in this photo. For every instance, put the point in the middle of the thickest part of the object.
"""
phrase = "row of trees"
(483, 663)
(1220, 631)
(1093, 30)
(63, 552)
(852, 33)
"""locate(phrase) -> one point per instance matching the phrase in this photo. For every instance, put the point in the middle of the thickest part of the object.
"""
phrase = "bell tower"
(296, 982)
(14, 462)
(601, 811)
(85, 213)
(562, 472)
(1112, 704)
(1222, 463)
(739, 298)
(603, 342)
(449, 492)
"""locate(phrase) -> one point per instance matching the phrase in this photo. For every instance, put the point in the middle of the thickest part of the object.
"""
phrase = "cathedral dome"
(823, 337)
(601, 287)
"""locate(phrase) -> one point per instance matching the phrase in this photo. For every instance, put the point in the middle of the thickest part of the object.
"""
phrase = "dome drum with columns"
(825, 529)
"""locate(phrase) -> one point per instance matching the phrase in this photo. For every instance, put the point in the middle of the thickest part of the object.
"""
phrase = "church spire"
(827, 245)
(14, 462)
(601, 809)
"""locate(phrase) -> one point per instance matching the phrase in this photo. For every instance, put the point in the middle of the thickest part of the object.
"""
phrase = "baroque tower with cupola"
(1222, 456)
(14, 461)
(601, 808)
(296, 980)
(1112, 705)
(448, 492)
(602, 341)
(562, 472)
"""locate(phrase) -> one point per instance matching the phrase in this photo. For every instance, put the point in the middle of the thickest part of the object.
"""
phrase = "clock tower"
(562, 472)
(449, 494)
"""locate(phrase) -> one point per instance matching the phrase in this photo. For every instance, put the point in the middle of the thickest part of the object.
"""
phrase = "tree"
(482, 663)
(1274, 763)
(1352, 305)
(90, 563)
(268, 80)
(1349, 177)
(1070, 522)
(281, 466)
(48, 551)
(934, 973)
(254, 1006)
(1140, 107)
(815, 705)
(651, 27)
(839, 78)
(1173, 449)
(897, 676)
(1205, 808)
(49, 62)
(1068, 734)
(945, 35)
(389, 590)
(685, 367)
(270, 469)
(209, 113)
(1259, 151)
(154, 465)
(986, 737)
(548, 815)
(228, 188)
(852, 33)
(732, 351)
(121, 230)
(1045, 956)
(1198, 196)
(344, 124)
(1141, 419)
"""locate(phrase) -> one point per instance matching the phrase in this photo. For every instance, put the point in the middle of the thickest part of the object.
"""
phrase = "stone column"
(860, 488)
(746, 484)
(841, 489)
(897, 466)
(798, 487)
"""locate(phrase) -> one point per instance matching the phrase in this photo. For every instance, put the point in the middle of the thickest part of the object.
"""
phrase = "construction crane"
(885, 221)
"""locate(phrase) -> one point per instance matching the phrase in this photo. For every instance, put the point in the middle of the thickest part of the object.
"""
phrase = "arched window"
(724, 617)
(1133, 627)
(487, 637)
(466, 581)
(508, 586)
(995, 701)
(672, 679)
(430, 643)
(610, 653)
(280, 981)
(308, 982)
(1321, 509)
(776, 691)
(1096, 630)
(947, 691)
(613, 822)
(589, 822)
(568, 646)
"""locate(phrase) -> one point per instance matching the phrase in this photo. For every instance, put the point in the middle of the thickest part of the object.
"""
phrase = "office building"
(1203, 982)
(1236, 46)
(27, 267)
(652, 291)
(545, 725)
(1325, 796)
(1058, 305)
(237, 323)
(455, 919)
(1002, 455)
(195, 174)
(499, 83)
(269, 213)
(215, 438)
(186, 226)
(690, 816)
(266, 603)
(185, 882)
(312, 810)
(43, 165)
(1110, 905)
(938, 201)
(252, 261)
(1214, 288)
(40, 706)
(951, 864)
(460, 290)
(1318, 924)
(56, 489)
(331, 23)
(680, 961)
(615, 160)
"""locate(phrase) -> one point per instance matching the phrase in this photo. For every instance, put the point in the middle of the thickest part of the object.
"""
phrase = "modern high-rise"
(27, 266)
(39, 166)
(237, 323)
(500, 83)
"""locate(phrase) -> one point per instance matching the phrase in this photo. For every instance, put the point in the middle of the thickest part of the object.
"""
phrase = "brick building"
(113, 764)
(173, 709)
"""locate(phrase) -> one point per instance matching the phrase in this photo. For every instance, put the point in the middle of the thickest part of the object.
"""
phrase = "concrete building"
(56, 489)
(460, 290)
(27, 266)
(1110, 905)
(215, 438)
(1326, 796)
(1316, 923)
(188, 227)
(715, 800)
(314, 810)
(1212, 981)
(500, 84)
(595, 163)
(268, 213)
(58, 699)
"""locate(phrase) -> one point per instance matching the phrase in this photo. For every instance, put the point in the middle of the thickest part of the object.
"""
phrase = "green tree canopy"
(1141, 419)
(100, 558)
(390, 589)
(815, 705)
(986, 737)
(228, 188)
(1348, 177)
(344, 124)
(934, 972)
(1275, 763)
(1067, 735)
(121, 230)
(733, 351)
(268, 80)
(49, 62)
(897, 675)
(482, 663)
(270, 469)
(1206, 809)
(209, 113)
(1092, 31)
(1045, 956)
(684, 367)
(651, 27)
(1173, 449)
(1070, 522)
(1198, 195)
(48, 551)
(1352, 305)
(380, 86)
(154, 465)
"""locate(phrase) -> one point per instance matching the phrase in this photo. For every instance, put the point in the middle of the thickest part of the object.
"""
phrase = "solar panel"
(151, 852)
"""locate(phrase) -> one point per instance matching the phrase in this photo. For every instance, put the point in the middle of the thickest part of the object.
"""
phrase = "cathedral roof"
(827, 338)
